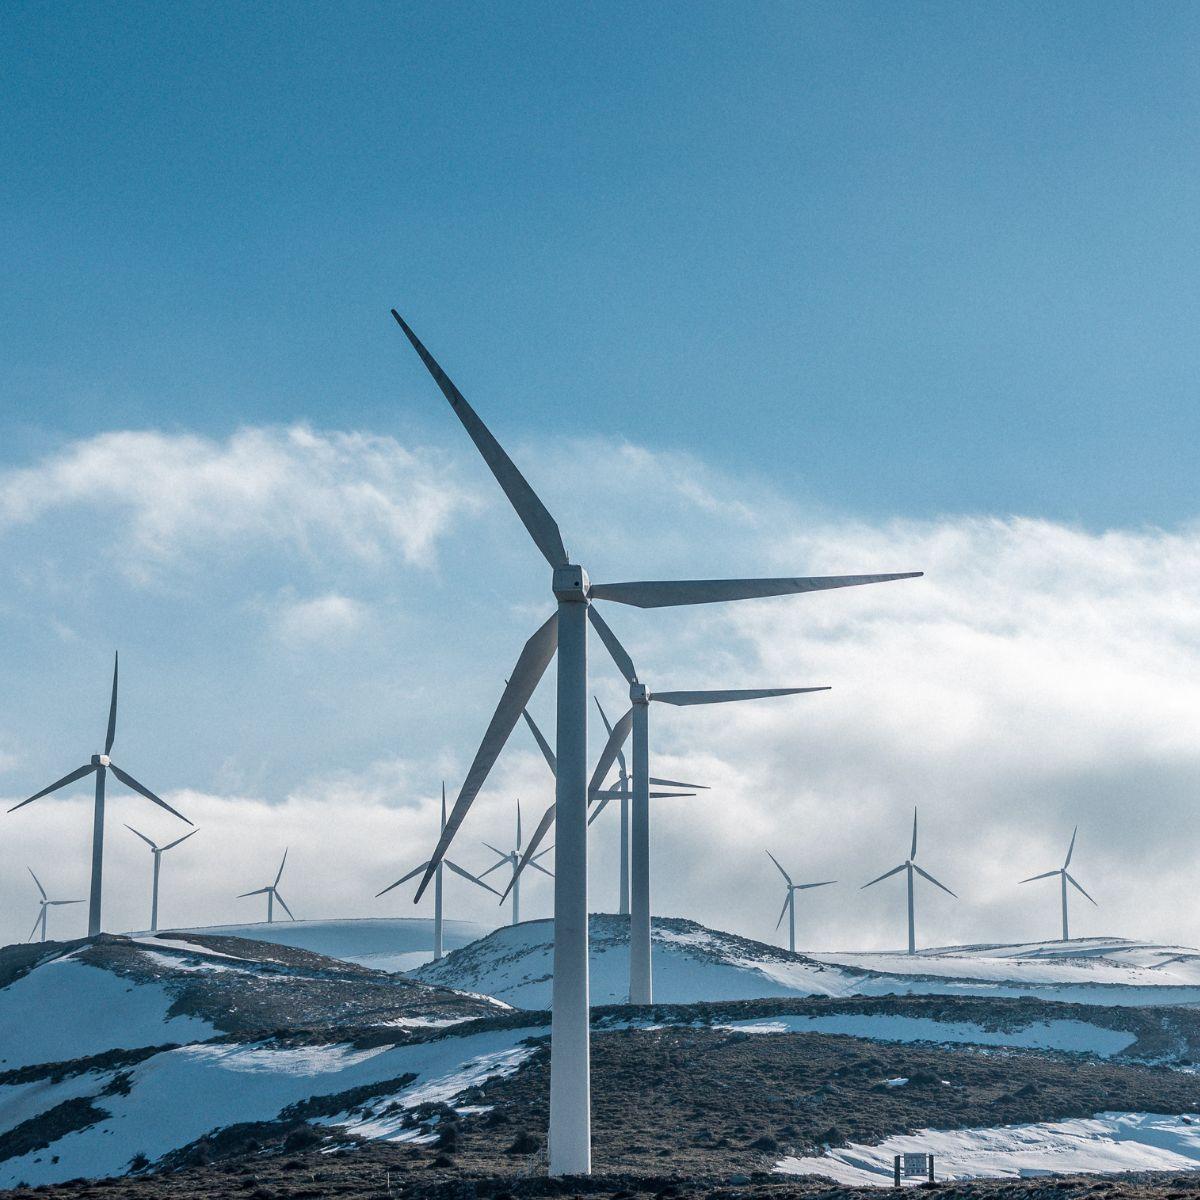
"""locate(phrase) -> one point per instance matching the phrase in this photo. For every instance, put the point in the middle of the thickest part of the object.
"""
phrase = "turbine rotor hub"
(639, 693)
(571, 584)
(101, 760)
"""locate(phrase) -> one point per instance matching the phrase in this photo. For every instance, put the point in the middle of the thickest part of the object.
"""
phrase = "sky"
(800, 288)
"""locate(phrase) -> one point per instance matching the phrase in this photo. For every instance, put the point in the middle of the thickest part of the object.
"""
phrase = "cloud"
(167, 496)
(321, 619)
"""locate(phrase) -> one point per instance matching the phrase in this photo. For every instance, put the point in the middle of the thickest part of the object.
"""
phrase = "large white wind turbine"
(566, 631)
(510, 859)
(271, 891)
(437, 886)
(46, 903)
(910, 866)
(621, 792)
(158, 852)
(641, 974)
(789, 901)
(1065, 879)
(100, 765)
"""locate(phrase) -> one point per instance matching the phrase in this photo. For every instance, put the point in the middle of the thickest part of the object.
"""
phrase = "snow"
(1074, 1036)
(1107, 1142)
(224, 1084)
(67, 1009)
(385, 943)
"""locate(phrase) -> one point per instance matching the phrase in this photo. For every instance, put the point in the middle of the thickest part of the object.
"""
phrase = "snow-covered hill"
(692, 963)
(382, 943)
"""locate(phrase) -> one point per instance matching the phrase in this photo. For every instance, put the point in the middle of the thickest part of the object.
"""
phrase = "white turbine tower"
(789, 901)
(510, 860)
(641, 973)
(437, 886)
(158, 852)
(565, 631)
(911, 867)
(1066, 878)
(621, 792)
(46, 903)
(271, 891)
(100, 765)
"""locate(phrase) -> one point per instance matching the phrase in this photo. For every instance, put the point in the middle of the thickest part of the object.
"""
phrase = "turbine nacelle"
(639, 693)
(101, 760)
(571, 584)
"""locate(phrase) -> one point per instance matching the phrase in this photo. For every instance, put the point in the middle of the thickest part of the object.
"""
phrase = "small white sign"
(914, 1165)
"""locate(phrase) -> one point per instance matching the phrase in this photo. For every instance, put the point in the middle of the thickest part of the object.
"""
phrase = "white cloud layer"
(1038, 677)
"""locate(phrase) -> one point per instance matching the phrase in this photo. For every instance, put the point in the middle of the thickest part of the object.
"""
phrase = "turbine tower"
(565, 631)
(621, 792)
(510, 860)
(911, 867)
(437, 886)
(46, 903)
(641, 975)
(100, 765)
(158, 852)
(789, 901)
(271, 891)
(1065, 879)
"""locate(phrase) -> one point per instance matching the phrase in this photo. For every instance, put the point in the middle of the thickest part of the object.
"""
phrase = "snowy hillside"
(692, 963)
(382, 943)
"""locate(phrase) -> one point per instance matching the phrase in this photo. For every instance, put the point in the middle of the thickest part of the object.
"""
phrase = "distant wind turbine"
(565, 633)
(46, 903)
(789, 901)
(1066, 878)
(158, 852)
(637, 719)
(271, 891)
(510, 859)
(100, 765)
(621, 792)
(437, 887)
(910, 866)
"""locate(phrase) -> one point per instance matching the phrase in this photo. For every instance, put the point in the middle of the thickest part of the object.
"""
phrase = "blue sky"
(774, 289)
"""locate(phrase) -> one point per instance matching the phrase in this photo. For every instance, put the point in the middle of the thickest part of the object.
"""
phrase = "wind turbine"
(46, 903)
(789, 902)
(437, 887)
(271, 891)
(100, 765)
(621, 792)
(1066, 878)
(511, 859)
(641, 979)
(910, 866)
(158, 852)
(565, 631)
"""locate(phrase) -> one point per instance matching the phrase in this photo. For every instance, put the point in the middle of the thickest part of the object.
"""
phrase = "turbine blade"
(543, 745)
(64, 901)
(256, 892)
(467, 875)
(538, 834)
(612, 644)
(36, 923)
(37, 881)
(543, 853)
(172, 845)
(605, 797)
(1075, 882)
(493, 849)
(129, 781)
(533, 513)
(783, 910)
(608, 755)
(885, 875)
(518, 823)
(725, 696)
(74, 775)
(537, 866)
(676, 783)
(502, 862)
(663, 593)
(1071, 848)
(282, 863)
(803, 887)
(926, 875)
(608, 730)
(781, 870)
(914, 841)
(284, 903)
(1043, 875)
(112, 711)
(669, 795)
(403, 879)
(531, 666)
(143, 837)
